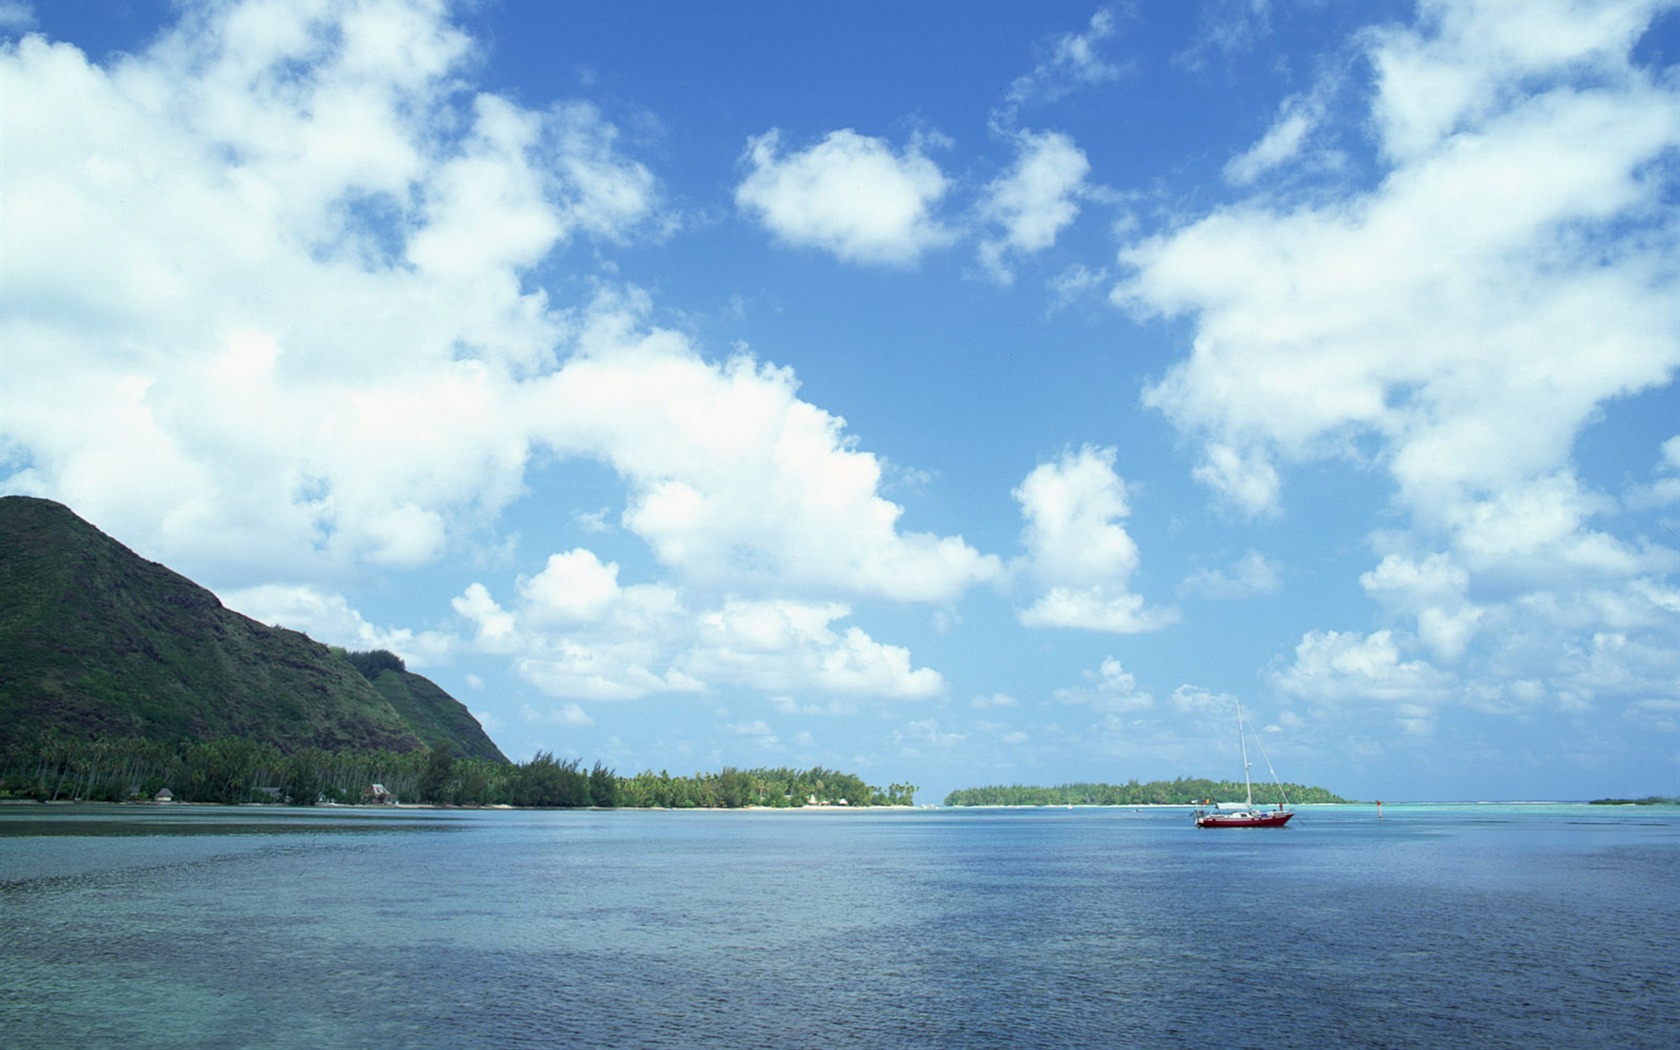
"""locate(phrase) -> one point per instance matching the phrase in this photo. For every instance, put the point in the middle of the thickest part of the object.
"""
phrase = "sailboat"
(1245, 814)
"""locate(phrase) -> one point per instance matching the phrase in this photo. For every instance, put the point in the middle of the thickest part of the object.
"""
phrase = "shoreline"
(20, 803)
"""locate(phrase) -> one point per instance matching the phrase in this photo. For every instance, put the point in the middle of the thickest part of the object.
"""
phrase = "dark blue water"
(1438, 926)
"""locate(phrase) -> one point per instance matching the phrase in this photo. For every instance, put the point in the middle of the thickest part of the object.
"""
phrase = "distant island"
(1648, 800)
(1184, 791)
(122, 680)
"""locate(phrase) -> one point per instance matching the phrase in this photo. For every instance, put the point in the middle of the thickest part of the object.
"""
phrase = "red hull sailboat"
(1245, 814)
(1242, 816)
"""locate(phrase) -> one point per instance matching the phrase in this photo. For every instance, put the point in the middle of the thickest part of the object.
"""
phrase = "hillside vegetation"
(97, 642)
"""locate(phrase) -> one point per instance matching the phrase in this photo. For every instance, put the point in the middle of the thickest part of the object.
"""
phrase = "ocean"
(1484, 926)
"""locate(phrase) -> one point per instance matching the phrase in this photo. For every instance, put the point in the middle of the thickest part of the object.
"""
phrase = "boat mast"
(1242, 740)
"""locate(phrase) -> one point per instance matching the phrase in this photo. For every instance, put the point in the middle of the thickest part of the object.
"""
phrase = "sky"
(950, 393)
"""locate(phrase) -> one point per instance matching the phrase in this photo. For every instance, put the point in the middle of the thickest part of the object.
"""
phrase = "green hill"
(97, 641)
(428, 710)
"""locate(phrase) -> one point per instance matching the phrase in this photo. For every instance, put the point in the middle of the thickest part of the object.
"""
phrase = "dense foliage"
(430, 712)
(1182, 792)
(234, 770)
(776, 788)
(372, 664)
(96, 641)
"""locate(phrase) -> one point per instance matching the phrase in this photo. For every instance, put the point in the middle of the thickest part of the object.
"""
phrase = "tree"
(543, 781)
(305, 777)
(436, 776)
(603, 787)
(373, 664)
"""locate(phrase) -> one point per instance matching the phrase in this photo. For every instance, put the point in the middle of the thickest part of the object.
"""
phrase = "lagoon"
(1433, 926)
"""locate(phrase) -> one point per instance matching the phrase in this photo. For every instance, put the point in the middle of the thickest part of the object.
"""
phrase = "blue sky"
(949, 393)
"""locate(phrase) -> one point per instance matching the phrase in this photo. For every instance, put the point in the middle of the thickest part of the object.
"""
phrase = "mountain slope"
(96, 640)
(429, 711)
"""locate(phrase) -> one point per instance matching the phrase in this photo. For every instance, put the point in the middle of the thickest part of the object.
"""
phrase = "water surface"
(1436, 926)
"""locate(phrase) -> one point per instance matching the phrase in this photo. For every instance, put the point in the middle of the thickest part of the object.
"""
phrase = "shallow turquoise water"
(1437, 926)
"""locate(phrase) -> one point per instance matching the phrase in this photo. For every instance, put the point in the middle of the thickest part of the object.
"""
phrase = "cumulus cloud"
(330, 618)
(1457, 323)
(1110, 688)
(778, 646)
(168, 212)
(1344, 667)
(176, 206)
(1456, 69)
(1470, 325)
(1078, 551)
(576, 632)
(734, 481)
(1434, 590)
(850, 194)
(1033, 201)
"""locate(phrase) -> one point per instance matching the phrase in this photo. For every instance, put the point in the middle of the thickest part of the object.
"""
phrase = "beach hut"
(165, 795)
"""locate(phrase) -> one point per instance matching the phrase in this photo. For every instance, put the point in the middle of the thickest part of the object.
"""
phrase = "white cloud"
(331, 619)
(779, 646)
(564, 715)
(1226, 28)
(1075, 283)
(1069, 61)
(176, 206)
(1347, 668)
(735, 482)
(615, 643)
(849, 194)
(1457, 322)
(757, 732)
(1664, 488)
(16, 16)
(1191, 699)
(925, 732)
(605, 641)
(167, 213)
(1245, 477)
(1470, 312)
(1662, 716)
(1110, 688)
(1033, 201)
(1298, 116)
(1461, 64)
(1252, 574)
(1077, 549)
(574, 587)
(1435, 590)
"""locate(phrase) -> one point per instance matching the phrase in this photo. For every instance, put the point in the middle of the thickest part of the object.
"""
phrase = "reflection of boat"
(1245, 814)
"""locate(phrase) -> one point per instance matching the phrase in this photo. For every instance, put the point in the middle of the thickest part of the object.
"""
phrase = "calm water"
(1438, 926)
